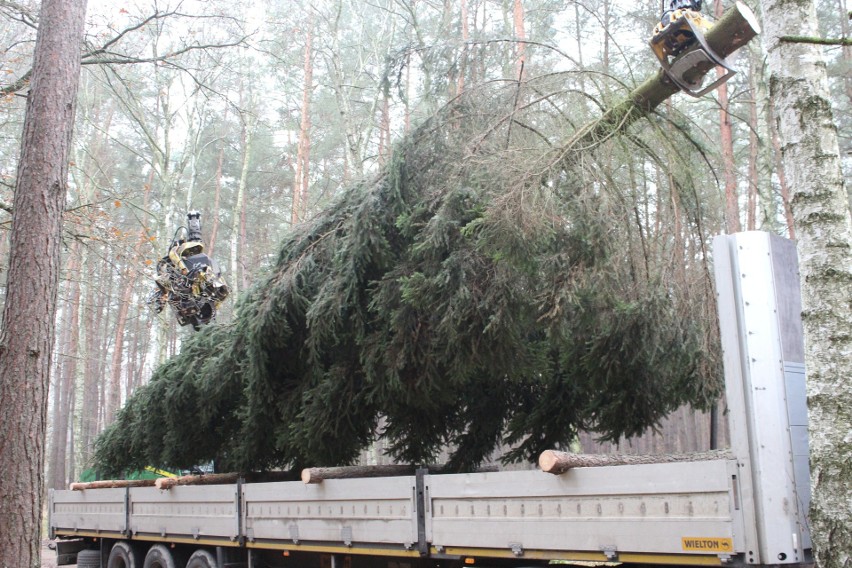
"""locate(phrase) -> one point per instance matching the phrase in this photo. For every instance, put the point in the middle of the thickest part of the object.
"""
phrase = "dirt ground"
(48, 557)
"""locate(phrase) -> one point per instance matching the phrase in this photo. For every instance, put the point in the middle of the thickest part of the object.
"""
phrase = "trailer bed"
(687, 511)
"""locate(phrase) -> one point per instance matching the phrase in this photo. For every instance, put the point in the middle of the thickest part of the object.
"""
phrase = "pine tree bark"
(799, 85)
(66, 376)
(304, 155)
(753, 153)
(249, 124)
(26, 340)
(127, 285)
(465, 31)
(726, 133)
(89, 406)
(520, 36)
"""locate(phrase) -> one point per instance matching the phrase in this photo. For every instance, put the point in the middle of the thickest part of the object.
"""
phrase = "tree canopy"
(478, 291)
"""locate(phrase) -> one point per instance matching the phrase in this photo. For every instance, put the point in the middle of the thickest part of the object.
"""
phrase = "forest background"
(258, 114)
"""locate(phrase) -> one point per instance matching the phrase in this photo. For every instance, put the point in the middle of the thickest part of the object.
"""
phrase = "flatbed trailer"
(749, 508)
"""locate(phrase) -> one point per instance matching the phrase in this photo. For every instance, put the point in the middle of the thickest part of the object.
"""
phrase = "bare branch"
(119, 59)
(19, 84)
(124, 32)
(95, 56)
(18, 13)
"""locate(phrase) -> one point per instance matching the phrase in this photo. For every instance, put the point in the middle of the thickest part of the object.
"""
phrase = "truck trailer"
(747, 506)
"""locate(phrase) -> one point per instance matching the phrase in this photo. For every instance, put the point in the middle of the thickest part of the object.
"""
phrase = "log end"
(749, 17)
(308, 478)
(77, 486)
(548, 461)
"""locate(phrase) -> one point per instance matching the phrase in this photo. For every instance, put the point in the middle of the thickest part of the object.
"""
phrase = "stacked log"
(556, 462)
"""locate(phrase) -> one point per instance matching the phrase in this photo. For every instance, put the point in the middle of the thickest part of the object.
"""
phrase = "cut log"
(318, 474)
(112, 484)
(555, 462)
(733, 30)
(221, 478)
(205, 479)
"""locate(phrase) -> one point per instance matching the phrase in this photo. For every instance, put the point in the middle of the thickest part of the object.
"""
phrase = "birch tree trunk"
(26, 340)
(809, 144)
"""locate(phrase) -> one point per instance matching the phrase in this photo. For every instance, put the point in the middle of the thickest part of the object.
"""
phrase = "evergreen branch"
(844, 41)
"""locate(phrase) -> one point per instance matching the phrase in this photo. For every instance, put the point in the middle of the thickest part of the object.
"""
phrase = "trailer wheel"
(159, 556)
(123, 555)
(89, 559)
(201, 559)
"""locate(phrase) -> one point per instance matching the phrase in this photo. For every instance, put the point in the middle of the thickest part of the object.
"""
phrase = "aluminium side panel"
(651, 508)
(760, 320)
(185, 511)
(90, 511)
(344, 512)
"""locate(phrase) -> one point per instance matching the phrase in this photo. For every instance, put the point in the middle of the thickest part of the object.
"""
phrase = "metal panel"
(797, 408)
(185, 511)
(635, 508)
(91, 510)
(343, 511)
(759, 315)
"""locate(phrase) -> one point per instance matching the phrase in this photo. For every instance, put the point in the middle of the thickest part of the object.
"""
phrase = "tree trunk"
(216, 197)
(753, 152)
(811, 158)
(847, 49)
(66, 376)
(128, 282)
(734, 30)
(113, 401)
(250, 121)
(726, 133)
(520, 36)
(300, 176)
(89, 408)
(780, 170)
(465, 31)
(26, 340)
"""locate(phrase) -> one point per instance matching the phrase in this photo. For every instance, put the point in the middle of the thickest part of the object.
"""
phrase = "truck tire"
(159, 556)
(201, 559)
(89, 559)
(123, 555)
